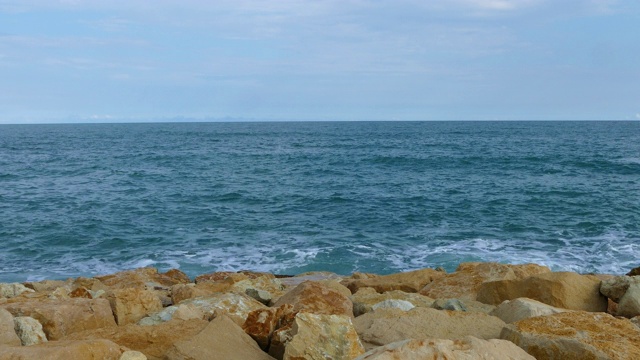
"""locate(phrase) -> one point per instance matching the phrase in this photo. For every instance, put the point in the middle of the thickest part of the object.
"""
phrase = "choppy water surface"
(292, 197)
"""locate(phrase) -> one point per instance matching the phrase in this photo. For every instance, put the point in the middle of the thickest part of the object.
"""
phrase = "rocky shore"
(480, 311)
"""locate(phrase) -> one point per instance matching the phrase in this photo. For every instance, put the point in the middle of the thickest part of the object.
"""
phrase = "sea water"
(290, 197)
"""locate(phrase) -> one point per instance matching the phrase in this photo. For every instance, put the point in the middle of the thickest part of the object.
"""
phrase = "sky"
(160, 60)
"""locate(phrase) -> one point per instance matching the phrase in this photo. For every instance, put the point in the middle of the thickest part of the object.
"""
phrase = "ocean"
(290, 197)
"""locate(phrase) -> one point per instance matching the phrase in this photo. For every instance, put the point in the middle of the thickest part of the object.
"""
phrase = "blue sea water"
(291, 197)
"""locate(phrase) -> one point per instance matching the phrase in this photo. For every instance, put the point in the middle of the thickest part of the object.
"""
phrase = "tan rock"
(178, 276)
(152, 341)
(412, 281)
(625, 291)
(142, 278)
(318, 276)
(629, 305)
(233, 276)
(67, 350)
(133, 355)
(145, 279)
(131, 305)
(322, 337)
(236, 306)
(560, 289)
(8, 335)
(385, 326)
(465, 282)
(181, 292)
(462, 305)
(12, 290)
(261, 288)
(336, 285)
(29, 330)
(81, 292)
(316, 298)
(63, 317)
(91, 284)
(468, 348)
(511, 311)
(222, 339)
(45, 286)
(576, 335)
(261, 324)
(364, 299)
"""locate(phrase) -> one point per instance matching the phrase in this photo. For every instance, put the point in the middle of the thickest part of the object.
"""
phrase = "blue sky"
(135, 60)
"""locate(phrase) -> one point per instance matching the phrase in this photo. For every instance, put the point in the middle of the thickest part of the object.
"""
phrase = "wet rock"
(7, 333)
(566, 290)
(468, 348)
(67, 350)
(465, 282)
(385, 326)
(261, 324)
(316, 336)
(12, 290)
(511, 311)
(221, 339)
(63, 317)
(411, 281)
(29, 330)
(575, 335)
(129, 305)
(316, 298)
(365, 298)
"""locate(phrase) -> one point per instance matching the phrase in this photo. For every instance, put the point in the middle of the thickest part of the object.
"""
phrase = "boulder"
(318, 276)
(29, 330)
(153, 341)
(236, 306)
(634, 272)
(465, 282)
(45, 286)
(181, 292)
(60, 318)
(12, 290)
(319, 336)
(133, 355)
(412, 281)
(67, 350)
(232, 276)
(566, 290)
(316, 298)
(364, 299)
(221, 339)
(576, 335)
(462, 305)
(129, 305)
(261, 323)
(385, 326)
(629, 305)
(625, 291)
(8, 335)
(393, 304)
(146, 279)
(511, 311)
(142, 278)
(182, 312)
(468, 348)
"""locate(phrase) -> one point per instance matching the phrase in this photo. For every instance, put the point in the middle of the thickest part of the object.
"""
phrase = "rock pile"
(480, 311)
